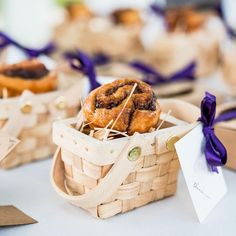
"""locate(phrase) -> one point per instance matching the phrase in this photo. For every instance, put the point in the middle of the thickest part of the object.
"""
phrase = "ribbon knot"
(154, 77)
(80, 61)
(6, 41)
(215, 152)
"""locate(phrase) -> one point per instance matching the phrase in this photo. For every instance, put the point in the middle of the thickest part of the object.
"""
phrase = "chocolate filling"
(151, 105)
(25, 71)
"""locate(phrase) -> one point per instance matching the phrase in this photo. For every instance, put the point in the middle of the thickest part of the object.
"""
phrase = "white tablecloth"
(29, 188)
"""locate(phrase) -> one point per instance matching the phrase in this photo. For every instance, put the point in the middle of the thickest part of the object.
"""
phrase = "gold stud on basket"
(26, 107)
(61, 103)
(170, 144)
(134, 153)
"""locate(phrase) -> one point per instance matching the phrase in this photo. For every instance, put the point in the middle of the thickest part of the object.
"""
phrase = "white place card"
(206, 188)
(7, 143)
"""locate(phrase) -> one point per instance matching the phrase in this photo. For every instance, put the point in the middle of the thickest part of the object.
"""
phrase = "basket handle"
(106, 188)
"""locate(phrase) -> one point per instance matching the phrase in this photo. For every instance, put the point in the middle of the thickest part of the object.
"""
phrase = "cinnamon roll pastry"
(127, 17)
(136, 112)
(79, 11)
(27, 75)
(185, 19)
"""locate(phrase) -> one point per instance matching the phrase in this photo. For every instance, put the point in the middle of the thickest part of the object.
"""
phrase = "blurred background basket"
(30, 117)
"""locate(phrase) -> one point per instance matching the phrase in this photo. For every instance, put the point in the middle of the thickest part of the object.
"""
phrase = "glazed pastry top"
(184, 19)
(136, 112)
(127, 17)
(29, 75)
(29, 69)
(79, 11)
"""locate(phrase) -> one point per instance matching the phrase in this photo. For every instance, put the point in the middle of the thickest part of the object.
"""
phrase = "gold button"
(134, 154)
(26, 107)
(61, 103)
(170, 144)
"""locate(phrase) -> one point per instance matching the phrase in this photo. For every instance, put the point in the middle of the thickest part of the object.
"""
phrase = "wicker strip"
(154, 178)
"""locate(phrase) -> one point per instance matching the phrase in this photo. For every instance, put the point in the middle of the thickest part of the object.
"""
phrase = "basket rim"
(66, 123)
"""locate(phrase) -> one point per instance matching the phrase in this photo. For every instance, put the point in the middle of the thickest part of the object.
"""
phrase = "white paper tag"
(7, 143)
(206, 188)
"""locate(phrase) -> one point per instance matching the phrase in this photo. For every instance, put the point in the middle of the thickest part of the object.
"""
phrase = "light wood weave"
(36, 139)
(154, 178)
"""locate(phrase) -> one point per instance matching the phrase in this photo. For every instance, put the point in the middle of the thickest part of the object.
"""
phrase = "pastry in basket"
(79, 11)
(127, 17)
(27, 75)
(126, 105)
(185, 19)
(191, 34)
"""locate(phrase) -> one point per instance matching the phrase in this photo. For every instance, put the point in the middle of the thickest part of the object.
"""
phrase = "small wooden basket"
(116, 176)
(173, 50)
(226, 131)
(29, 118)
(113, 40)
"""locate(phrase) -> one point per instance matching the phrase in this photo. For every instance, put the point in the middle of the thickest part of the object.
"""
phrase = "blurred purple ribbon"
(6, 41)
(153, 77)
(226, 116)
(158, 10)
(100, 59)
(80, 61)
(230, 31)
(215, 152)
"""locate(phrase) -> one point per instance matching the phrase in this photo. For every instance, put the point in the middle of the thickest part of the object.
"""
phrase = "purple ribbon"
(158, 10)
(6, 41)
(101, 59)
(215, 152)
(226, 115)
(230, 31)
(153, 77)
(80, 61)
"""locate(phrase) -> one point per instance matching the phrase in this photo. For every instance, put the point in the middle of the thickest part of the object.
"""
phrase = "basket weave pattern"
(36, 139)
(153, 178)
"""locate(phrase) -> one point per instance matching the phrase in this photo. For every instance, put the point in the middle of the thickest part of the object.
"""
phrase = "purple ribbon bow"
(153, 77)
(215, 152)
(6, 41)
(226, 115)
(80, 61)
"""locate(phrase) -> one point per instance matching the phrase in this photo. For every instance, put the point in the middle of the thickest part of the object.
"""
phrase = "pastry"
(27, 75)
(185, 19)
(127, 17)
(79, 11)
(112, 104)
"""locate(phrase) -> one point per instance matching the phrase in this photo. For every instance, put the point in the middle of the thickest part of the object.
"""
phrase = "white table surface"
(29, 189)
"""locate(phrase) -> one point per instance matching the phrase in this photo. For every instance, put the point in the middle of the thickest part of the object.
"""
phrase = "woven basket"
(114, 40)
(173, 50)
(226, 131)
(116, 176)
(30, 117)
